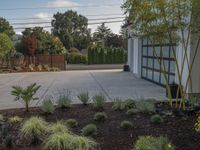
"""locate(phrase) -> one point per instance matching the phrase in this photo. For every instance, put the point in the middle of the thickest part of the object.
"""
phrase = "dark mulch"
(180, 130)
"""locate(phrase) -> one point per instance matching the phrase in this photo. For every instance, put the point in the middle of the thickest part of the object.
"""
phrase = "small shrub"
(100, 116)
(55, 69)
(153, 143)
(65, 101)
(26, 94)
(156, 119)
(118, 104)
(99, 101)
(126, 124)
(34, 128)
(39, 67)
(129, 103)
(65, 141)
(197, 124)
(47, 68)
(31, 67)
(145, 106)
(84, 98)
(47, 106)
(71, 123)
(1, 117)
(89, 130)
(131, 112)
(58, 127)
(15, 120)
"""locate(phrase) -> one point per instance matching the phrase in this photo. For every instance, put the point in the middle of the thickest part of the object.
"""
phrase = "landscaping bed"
(179, 130)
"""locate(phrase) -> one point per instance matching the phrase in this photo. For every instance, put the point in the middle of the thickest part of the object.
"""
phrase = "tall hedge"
(99, 55)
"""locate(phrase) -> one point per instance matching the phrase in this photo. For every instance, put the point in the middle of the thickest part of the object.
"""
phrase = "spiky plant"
(59, 127)
(26, 95)
(47, 106)
(15, 120)
(99, 101)
(84, 97)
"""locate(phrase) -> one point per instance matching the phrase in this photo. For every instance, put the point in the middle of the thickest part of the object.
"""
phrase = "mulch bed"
(180, 130)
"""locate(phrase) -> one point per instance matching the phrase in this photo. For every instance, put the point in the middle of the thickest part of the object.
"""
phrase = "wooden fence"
(53, 60)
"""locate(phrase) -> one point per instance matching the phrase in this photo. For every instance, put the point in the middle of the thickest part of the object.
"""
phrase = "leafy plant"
(84, 97)
(126, 124)
(47, 106)
(89, 130)
(130, 103)
(34, 128)
(47, 68)
(131, 112)
(153, 143)
(1, 117)
(65, 141)
(15, 120)
(65, 100)
(31, 67)
(118, 104)
(71, 123)
(26, 94)
(100, 116)
(156, 119)
(197, 124)
(99, 101)
(58, 127)
(39, 67)
(145, 106)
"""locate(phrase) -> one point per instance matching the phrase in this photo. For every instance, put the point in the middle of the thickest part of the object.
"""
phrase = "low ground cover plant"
(99, 101)
(59, 127)
(71, 123)
(156, 119)
(145, 106)
(1, 117)
(130, 103)
(100, 116)
(132, 111)
(47, 106)
(126, 124)
(26, 95)
(197, 124)
(84, 97)
(15, 120)
(89, 130)
(118, 104)
(65, 100)
(153, 143)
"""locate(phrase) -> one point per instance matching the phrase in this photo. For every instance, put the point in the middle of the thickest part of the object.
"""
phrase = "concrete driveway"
(111, 83)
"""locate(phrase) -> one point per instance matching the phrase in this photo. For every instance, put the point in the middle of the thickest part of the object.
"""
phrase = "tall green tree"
(6, 28)
(72, 29)
(6, 45)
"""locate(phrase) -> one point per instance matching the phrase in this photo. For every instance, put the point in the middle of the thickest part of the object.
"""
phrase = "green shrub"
(65, 141)
(84, 97)
(35, 128)
(15, 120)
(89, 130)
(47, 106)
(153, 143)
(58, 127)
(156, 119)
(77, 58)
(197, 124)
(73, 50)
(65, 100)
(26, 94)
(100, 116)
(131, 112)
(118, 104)
(1, 117)
(99, 101)
(126, 124)
(71, 123)
(130, 103)
(145, 106)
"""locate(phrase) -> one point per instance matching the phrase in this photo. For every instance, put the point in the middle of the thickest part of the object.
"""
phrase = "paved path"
(111, 83)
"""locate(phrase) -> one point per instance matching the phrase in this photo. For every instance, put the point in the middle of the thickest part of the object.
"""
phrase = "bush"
(89, 130)
(26, 94)
(1, 117)
(197, 124)
(58, 127)
(77, 58)
(153, 143)
(73, 50)
(126, 124)
(64, 101)
(65, 141)
(131, 112)
(129, 103)
(47, 106)
(145, 106)
(15, 120)
(100, 116)
(84, 97)
(34, 128)
(118, 104)
(99, 101)
(71, 123)
(156, 119)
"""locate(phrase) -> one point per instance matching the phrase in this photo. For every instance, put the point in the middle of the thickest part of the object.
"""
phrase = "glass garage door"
(151, 68)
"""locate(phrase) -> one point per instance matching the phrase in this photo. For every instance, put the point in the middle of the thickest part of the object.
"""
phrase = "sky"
(112, 10)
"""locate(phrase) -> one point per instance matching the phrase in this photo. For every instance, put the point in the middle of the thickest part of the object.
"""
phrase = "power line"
(24, 23)
(78, 6)
(52, 17)
(95, 23)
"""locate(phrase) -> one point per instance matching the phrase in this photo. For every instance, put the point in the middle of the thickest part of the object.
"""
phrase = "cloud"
(43, 16)
(62, 3)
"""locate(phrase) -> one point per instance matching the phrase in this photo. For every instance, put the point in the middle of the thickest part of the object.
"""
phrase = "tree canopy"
(72, 29)
(6, 28)
(6, 45)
